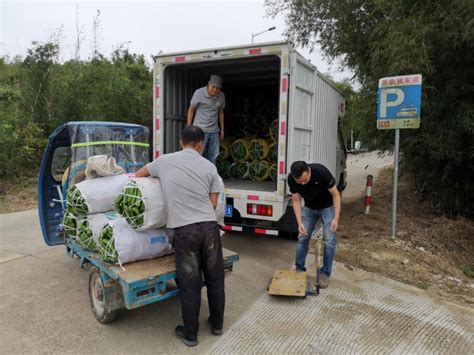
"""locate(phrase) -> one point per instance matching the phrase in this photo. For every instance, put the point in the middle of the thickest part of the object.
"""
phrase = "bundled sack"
(239, 170)
(273, 172)
(102, 165)
(69, 224)
(239, 150)
(95, 195)
(90, 226)
(259, 170)
(223, 167)
(273, 152)
(273, 130)
(224, 148)
(142, 204)
(259, 149)
(119, 243)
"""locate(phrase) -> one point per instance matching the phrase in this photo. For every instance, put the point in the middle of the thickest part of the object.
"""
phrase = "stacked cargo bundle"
(97, 208)
(250, 157)
(122, 217)
(90, 205)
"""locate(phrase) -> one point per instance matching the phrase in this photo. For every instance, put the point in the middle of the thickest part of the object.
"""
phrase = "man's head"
(214, 85)
(192, 137)
(300, 172)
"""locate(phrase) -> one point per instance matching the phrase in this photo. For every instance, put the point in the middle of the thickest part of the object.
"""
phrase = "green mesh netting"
(223, 168)
(239, 150)
(259, 170)
(130, 205)
(107, 250)
(259, 149)
(239, 170)
(75, 201)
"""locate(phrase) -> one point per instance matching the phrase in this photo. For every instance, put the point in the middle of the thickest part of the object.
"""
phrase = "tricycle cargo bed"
(132, 285)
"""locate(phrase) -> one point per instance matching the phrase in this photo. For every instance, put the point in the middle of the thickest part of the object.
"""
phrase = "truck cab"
(65, 158)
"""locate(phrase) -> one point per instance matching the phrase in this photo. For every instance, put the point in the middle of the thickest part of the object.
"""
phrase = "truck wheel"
(99, 304)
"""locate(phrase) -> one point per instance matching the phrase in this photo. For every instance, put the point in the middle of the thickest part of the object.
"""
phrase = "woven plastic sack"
(119, 243)
(259, 170)
(239, 150)
(90, 226)
(142, 204)
(221, 202)
(102, 165)
(259, 149)
(239, 170)
(95, 195)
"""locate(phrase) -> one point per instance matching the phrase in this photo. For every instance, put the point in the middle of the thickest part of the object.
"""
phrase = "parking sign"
(399, 102)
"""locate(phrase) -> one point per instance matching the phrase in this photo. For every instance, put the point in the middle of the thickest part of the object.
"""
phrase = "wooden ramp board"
(288, 283)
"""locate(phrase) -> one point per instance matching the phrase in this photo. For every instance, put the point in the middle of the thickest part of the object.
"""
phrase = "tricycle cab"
(65, 158)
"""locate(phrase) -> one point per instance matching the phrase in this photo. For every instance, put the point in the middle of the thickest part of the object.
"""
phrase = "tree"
(379, 38)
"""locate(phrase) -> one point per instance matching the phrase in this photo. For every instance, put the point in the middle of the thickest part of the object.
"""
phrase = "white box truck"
(270, 79)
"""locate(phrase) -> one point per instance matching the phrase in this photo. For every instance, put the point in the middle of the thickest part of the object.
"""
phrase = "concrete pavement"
(45, 307)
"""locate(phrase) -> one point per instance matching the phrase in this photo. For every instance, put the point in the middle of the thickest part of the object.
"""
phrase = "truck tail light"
(261, 210)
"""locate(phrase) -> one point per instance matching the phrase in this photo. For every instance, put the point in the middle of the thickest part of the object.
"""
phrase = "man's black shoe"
(214, 331)
(180, 333)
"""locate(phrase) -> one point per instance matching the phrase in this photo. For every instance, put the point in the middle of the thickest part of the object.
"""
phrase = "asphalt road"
(45, 305)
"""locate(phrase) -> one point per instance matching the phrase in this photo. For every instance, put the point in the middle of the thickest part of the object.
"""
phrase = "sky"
(144, 27)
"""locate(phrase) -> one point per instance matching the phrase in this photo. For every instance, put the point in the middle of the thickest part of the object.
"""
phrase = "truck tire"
(99, 301)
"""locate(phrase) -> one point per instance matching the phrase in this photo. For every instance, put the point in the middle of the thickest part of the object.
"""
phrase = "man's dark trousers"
(198, 247)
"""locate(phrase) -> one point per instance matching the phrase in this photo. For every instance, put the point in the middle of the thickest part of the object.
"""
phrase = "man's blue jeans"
(310, 217)
(210, 147)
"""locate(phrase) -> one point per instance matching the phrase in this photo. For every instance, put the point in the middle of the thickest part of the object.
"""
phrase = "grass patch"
(422, 285)
(467, 271)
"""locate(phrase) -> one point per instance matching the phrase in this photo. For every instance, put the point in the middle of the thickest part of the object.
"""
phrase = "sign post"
(399, 107)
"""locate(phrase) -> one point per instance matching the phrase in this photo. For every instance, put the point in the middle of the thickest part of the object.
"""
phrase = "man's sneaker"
(180, 333)
(214, 331)
(323, 280)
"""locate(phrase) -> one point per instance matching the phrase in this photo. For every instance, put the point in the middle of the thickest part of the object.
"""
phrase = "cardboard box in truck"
(264, 84)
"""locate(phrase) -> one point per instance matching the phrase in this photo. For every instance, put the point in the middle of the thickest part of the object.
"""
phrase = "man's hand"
(334, 225)
(222, 134)
(302, 229)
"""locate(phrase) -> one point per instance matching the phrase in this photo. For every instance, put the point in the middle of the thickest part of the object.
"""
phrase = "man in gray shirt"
(206, 109)
(190, 188)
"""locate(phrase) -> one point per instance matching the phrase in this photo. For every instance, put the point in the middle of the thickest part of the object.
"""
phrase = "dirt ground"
(18, 196)
(430, 251)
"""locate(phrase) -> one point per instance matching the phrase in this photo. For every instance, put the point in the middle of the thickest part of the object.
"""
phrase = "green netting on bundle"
(273, 172)
(224, 148)
(69, 224)
(223, 168)
(259, 149)
(75, 201)
(273, 130)
(259, 170)
(130, 205)
(239, 170)
(107, 250)
(84, 235)
(239, 150)
(273, 152)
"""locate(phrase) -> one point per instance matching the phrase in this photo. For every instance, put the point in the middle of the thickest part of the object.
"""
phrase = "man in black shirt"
(315, 183)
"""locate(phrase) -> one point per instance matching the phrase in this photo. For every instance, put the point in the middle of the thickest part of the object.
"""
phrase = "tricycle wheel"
(99, 304)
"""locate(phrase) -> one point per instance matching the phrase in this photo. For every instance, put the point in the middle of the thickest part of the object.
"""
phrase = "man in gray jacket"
(207, 112)
(190, 189)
